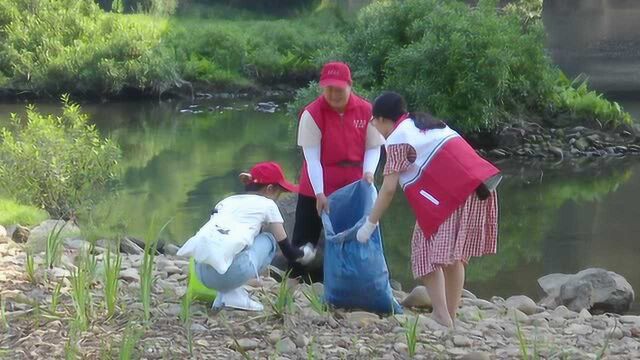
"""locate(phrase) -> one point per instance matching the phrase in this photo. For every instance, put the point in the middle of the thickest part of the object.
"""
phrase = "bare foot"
(442, 319)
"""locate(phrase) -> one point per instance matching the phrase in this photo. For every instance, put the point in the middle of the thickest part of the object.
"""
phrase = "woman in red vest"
(451, 191)
(339, 146)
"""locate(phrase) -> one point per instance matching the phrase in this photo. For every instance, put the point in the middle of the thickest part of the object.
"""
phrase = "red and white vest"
(343, 143)
(446, 172)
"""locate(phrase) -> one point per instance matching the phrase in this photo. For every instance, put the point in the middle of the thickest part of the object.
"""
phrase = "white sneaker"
(236, 299)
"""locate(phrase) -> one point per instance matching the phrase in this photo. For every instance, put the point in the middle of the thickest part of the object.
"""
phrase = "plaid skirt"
(472, 230)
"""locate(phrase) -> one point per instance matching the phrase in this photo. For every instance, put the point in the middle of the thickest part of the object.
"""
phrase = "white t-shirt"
(236, 222)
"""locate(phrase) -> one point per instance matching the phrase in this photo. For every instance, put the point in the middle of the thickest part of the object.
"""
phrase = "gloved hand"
(365, 231)
(309, 254)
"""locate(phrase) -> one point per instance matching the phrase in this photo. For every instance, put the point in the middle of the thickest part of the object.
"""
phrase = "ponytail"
(426, 121)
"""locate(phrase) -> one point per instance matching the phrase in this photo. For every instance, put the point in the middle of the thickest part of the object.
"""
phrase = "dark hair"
(391, 105)
(253, 187)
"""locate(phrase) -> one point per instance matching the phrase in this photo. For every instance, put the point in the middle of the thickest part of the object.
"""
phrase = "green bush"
(13, 213)
(56, 163)
(473, 66)
(53, 47)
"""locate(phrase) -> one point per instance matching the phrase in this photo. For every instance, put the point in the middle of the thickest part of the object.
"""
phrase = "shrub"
(56, 163)
(14, 213)
(54, 47)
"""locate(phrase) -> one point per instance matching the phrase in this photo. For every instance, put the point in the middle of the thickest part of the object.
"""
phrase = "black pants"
(307, 229)
(308, 224)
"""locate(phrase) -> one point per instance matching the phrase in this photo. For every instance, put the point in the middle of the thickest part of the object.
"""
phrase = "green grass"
(54, 242)
(30, 268)
(411, 335)
(55, 298)
(13, 213)
(146, 270)
(112, 266)
(317, 303)
(130, 338)
(283, 303)
(3, 317)
(81, 296)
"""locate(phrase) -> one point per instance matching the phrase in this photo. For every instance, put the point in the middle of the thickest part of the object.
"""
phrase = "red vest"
(343, 143)
(446, 172)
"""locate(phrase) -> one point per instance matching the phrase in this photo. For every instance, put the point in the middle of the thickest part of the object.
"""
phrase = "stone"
(130, 275)
(522, 303)
(77, 244)
(476, 356)
(582, 144)
(400, 348)
(20, 234)
(246, 344)
(585, 314)
(3, 231)
(395, 285)
(630, 319)
(129, 246)
(58, 273)
(301, 341)
(578, 329)
(362, 318)
(483, 304)
(418, 298)
(198, 328)
(515, 314)
(286, 346)
(275, 336)
(594, 289)
(170, 249)
(461, 341)
(40, 233)
(172, 269)
(563, 312)
(466, 294)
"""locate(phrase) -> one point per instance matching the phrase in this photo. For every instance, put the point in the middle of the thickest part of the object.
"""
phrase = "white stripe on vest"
(426, 143)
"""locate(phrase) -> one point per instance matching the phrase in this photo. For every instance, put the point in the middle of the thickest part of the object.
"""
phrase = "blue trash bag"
(355, 274)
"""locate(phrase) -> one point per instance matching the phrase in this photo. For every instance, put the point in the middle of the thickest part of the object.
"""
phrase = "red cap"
(335, 74)
(271, 173)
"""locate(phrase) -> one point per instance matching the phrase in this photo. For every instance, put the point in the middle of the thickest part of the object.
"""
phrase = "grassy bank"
(13, 213)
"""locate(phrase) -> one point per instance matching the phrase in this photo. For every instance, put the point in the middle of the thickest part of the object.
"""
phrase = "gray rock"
(246, 344)
(522, 303)
(400, 348)
(40, 233)
(483, 304)
(129, 246)
(515, 314)
(286, 346)
(275, 337)
(461, 341)
(476, 356)
(564, 313)
(301, 341)
(395, 285)
(77, 244)
(130, 275)
(362, 318)
(584, 314)
(578, 329)
(582, 144)
(596, 290)
(20, 235)
(3, 231)
(198, 328)
(466, 294)
(418, 298)
(630, 319)
(170, 249)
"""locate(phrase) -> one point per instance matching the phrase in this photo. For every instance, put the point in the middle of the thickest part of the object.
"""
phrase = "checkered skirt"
(472, 230)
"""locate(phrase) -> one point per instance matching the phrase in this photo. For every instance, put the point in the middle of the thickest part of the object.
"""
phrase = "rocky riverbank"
(486, 329)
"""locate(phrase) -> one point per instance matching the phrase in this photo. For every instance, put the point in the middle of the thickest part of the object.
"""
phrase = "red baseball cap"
(335, 74)
(271, 173)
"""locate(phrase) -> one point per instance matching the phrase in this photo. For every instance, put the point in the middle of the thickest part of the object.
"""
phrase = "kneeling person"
(239, 240)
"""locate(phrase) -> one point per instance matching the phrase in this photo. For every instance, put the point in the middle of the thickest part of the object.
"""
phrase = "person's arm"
(388, 190)
(370, 164)
(310, 139)
(372, 153)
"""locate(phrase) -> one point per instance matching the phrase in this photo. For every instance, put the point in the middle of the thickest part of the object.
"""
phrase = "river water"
(554, 217)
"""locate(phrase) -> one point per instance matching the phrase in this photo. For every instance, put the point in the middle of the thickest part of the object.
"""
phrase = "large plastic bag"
(355, 274)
